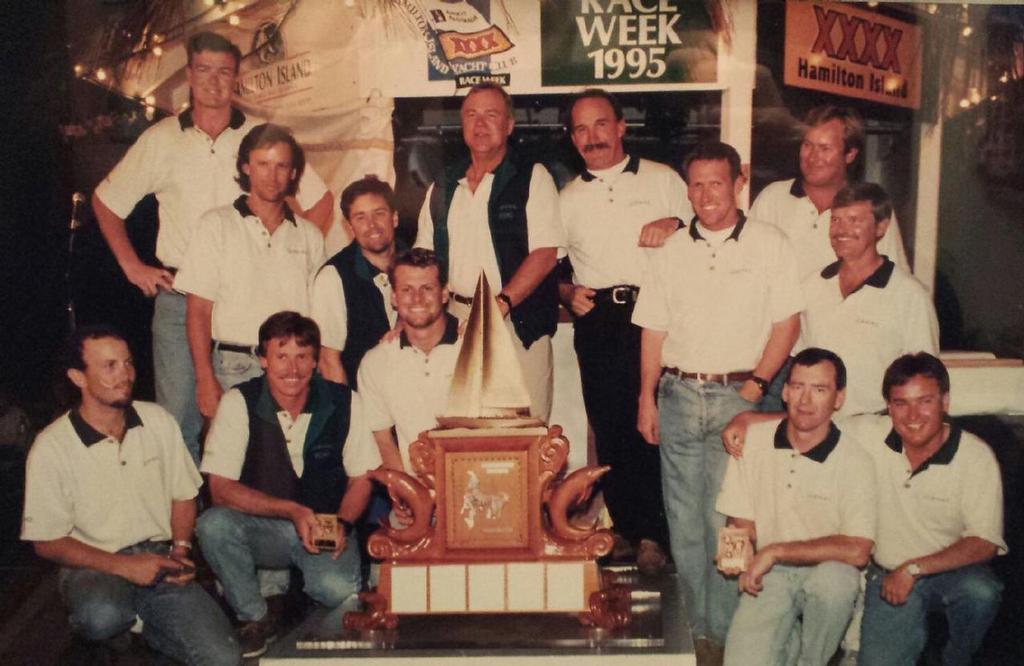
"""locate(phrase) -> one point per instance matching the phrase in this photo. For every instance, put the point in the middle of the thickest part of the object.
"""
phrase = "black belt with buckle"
(462, 299)
(238, 349)
(722, 378)
(622, 294)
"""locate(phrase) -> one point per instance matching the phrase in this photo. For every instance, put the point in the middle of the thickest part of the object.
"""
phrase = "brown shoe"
(709, 653)
(650, 558)
(253, 637)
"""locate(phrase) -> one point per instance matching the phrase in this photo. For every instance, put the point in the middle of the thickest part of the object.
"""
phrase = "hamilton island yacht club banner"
(839, 49)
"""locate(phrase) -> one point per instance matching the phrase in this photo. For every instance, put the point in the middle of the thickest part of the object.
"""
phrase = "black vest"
(367, 318)
(267, 466)
(537, 315)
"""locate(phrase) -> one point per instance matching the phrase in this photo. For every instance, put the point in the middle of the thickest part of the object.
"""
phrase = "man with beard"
(246, 262)
(805, 494)
(188, 162)
(615, 213)
(404, 382)
(497, 215)
(284, 447)
(110, 497)
(352, 292)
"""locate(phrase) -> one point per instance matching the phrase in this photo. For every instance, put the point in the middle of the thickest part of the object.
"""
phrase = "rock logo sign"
(463, 44)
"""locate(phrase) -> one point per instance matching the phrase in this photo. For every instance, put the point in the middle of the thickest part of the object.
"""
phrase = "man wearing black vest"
(351, 293)
(498, 215)
(282, 448)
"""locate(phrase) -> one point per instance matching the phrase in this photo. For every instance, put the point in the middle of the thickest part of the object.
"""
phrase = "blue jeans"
(232, 368)
(691, 417)
(765, 629)
(896, 635)
(173, 374)
(235, 543)
(182, 622)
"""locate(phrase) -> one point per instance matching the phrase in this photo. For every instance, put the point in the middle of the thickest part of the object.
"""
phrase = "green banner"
(626, 42)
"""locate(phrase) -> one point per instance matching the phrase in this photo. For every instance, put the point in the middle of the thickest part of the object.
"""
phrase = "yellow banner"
(839, 49)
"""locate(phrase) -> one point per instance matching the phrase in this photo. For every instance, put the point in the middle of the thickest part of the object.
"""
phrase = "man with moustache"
(833, 139)
(719, 309)
(404, 381)
(497, 215)
(246, 262)
(615, 213)
(188, 162)
(864, 307)
(110, 497)
(805, 494)
(283, 447)
(940, 520)
(352, 301)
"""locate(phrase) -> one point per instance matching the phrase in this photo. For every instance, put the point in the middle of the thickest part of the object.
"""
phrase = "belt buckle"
(618, 295)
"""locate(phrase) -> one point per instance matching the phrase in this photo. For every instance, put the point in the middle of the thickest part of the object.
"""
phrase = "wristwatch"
(505, 299)
(761, 384)
(346, 526)
(914, 569)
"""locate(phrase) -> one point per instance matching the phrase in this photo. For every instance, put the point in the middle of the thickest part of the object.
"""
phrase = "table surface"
(657, 634)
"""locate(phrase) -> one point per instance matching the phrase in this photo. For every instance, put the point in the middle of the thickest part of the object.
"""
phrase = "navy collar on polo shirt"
(797, 188)
(449, 337)
(365, 269)
(820, 452)
(242, 206)
(186, 121)
(90, 435)
(736, 230)
(879, 279)
(632, 166)
(943, 456)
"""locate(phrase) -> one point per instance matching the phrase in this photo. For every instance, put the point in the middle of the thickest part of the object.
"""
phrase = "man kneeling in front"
(282, 448)
(806, 495)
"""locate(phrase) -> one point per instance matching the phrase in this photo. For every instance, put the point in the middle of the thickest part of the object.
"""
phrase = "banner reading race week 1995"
(608, 42)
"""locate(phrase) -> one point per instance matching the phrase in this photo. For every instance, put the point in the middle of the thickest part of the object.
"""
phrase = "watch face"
(914, 570)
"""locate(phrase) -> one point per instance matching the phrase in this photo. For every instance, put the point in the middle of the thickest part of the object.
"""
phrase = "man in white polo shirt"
(247, 261)
(110, 497)
(806, 495)
(833, 141)
(720, 312)
(283, 447)
(404, 382)
(615, 213)
(940, 520)
(864, 307)
(497, 215)
(188, 162)
(352, 293)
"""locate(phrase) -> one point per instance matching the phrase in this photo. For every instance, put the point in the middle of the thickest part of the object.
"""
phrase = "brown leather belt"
(711, 377)
(462, 299)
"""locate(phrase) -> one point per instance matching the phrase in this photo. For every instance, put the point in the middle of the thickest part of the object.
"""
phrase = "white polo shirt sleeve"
(425, 223)
(199, 273)
(136, 175)
(329, 309)
(785, 294)
(891, 244)
(982, 502)
(360, 454)
(675, 188)
(734, 499)
(858, 499)
(543, 217)
(49, 513)
(372, 375)
(182, 477)
(651, 310)
(918, 320)
(228, 438)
